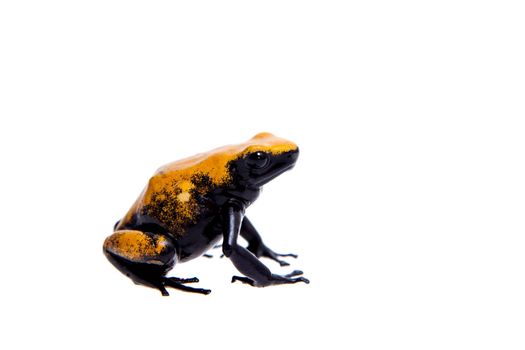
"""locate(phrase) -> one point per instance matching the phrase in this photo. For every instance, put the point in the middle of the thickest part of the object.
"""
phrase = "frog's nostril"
(293, 154)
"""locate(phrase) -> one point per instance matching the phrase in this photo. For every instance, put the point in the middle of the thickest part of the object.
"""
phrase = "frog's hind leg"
(146, 258)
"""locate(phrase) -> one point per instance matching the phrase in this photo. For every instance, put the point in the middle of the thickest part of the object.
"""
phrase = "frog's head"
(263, 158)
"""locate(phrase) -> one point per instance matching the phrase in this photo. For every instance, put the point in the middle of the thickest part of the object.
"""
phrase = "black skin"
(255, 244)
(224, 218)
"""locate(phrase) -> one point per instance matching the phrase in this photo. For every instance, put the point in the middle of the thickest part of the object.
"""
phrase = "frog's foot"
(276, 279)
(178, 283)
(289, 278)
(263, 251)
(294, 273)
(256, 274)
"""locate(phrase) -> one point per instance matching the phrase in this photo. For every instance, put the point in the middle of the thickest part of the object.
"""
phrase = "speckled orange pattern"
(135, 245)
(170, 194)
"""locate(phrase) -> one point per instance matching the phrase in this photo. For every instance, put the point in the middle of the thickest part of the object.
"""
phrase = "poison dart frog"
(189, 205)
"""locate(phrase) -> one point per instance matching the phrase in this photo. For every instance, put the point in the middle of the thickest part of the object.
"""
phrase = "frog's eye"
(258, 160)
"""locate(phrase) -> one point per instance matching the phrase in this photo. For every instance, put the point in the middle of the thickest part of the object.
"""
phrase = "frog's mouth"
(267, 178)
(283, 162)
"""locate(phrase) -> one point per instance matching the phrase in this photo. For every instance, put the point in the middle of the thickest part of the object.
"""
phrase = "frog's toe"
(163, 291)
(178, 283)
(287, 255)
(280, 262)
(263, 251)
(301, 279)
(275, 257)
(287, 279)
(183, 280)
(294, 273)
(244, 280)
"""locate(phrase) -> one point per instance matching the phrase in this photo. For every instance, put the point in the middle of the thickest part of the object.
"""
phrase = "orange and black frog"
(188, 206)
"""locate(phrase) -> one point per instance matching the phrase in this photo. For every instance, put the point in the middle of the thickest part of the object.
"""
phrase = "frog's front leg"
(256, 245)
(146, 257)
(257, 274)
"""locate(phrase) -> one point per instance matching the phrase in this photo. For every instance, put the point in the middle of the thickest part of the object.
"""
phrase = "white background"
(406, 206)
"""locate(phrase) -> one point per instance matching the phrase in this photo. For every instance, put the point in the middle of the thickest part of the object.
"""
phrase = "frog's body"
(189, 205)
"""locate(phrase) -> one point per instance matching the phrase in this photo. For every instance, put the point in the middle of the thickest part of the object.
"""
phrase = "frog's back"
(176, 196)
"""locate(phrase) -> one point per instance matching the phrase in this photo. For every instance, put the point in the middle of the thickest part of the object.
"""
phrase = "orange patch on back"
(171, 188)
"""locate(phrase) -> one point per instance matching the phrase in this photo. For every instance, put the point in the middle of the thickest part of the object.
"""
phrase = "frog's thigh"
(143, 256)
(140, 247)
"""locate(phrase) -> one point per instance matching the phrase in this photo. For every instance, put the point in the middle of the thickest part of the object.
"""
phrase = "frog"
(189, 206)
